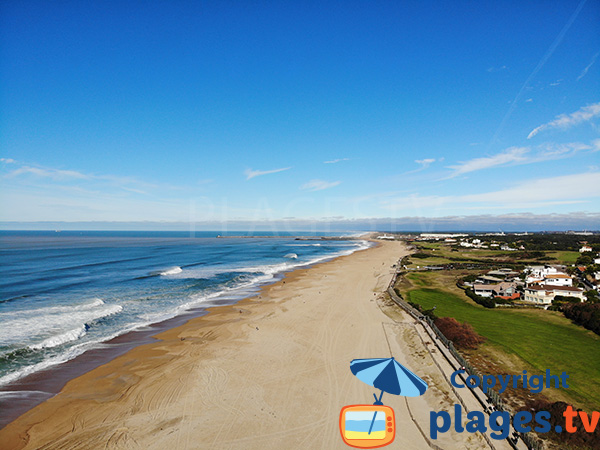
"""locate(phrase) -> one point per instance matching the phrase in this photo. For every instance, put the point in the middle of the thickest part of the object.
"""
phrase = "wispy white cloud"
(522, 155)
(565, 121)
(55, 174)
(508, 156)
(585, 71)
(536, 193)
(425, 162)
(556, 83)
(257, 173)
(319, 185)
(529, 100)
(134, 190)
(334, 161)
(7, 160)
(539, 66)
(565, 188)
(53, 178)
(496, 69)
(550, 151)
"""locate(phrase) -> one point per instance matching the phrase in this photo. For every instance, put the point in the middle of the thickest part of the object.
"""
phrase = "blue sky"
(223, 111)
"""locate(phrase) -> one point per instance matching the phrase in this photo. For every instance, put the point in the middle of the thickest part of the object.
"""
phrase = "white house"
(495, 290)
(585, 248)
(544, 294)
(536, 274)
(484, 290)
(558, 279)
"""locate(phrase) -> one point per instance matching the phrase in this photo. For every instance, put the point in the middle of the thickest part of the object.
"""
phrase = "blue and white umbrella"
(389, 376)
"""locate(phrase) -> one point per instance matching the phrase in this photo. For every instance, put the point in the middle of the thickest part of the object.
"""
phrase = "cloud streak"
(30, 175)
(514, 156)
(566, 121)
(55, 174)
(496, 69)
(425, 162)
(585, 71)
(509, 156)
(258, 173)
(539, 66)
(334, 161)
(560, 190)
(319, 185)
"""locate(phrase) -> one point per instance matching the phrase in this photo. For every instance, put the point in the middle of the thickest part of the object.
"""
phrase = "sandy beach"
(270, 372)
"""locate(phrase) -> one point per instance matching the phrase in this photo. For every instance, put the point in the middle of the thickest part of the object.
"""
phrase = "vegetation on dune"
(585, 314)
(462, 335)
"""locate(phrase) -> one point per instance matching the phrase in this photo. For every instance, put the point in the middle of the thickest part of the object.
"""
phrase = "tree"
(591, 269)
(592, 296)
(584, 260)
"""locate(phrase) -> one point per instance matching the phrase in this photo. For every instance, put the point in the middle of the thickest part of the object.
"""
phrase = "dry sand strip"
(271, 372)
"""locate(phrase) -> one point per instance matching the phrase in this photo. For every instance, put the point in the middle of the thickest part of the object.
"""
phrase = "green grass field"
(564, 257)
(441, 252)
(542, 339)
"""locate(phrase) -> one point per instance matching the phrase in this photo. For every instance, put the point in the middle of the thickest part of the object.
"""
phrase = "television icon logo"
(367, 426)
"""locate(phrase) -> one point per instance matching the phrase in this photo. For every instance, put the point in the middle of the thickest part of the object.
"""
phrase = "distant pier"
(297, 238)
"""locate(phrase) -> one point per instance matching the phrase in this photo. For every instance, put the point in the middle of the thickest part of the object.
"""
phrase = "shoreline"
(29, 391)
(270, 372)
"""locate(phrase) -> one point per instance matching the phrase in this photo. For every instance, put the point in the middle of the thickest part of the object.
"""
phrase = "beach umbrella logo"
(371, 426)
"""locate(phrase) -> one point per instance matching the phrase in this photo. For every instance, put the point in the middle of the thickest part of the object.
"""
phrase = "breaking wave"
(172, 271)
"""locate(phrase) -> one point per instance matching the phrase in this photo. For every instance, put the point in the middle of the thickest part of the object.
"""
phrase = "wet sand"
(269, 372)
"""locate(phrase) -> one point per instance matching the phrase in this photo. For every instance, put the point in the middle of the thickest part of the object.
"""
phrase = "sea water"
(62, 294)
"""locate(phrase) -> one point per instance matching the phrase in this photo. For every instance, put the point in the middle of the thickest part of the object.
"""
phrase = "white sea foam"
(59, 309)
(59, 339)
(15, 395)
(65, 356)
(291, 256)
(172, 271)
(51, 324)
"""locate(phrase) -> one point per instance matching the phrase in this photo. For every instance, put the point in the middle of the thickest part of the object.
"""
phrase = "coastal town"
(540, 285)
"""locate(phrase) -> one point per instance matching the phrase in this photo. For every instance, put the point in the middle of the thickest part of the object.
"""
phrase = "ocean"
(65, 293)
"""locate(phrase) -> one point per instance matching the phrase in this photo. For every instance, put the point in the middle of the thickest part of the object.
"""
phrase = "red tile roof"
(510, 297)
